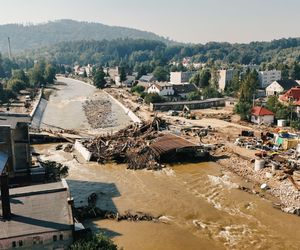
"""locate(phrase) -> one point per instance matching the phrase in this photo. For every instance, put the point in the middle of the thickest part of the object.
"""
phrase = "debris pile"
(92, 211)
(98, 113)
(130, 145)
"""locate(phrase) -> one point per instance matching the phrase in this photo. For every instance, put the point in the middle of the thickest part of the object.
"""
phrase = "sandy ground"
(65, 109)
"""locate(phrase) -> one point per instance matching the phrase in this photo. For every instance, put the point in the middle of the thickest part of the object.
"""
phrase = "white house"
(261, 115)
(280, 86)
(161, 88)
(268, 76)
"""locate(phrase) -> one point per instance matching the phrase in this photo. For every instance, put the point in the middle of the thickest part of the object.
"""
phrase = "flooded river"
(201, 204)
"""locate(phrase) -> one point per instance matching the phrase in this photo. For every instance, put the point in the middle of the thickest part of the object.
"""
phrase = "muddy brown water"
(201, 205)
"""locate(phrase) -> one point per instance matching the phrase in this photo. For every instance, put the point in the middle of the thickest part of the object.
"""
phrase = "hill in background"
(34, 36)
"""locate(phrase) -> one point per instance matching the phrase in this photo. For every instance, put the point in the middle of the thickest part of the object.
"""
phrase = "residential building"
(146, 85)
(161, 88)
(268, 76)
(88, 70)
(292, 95)
(225, 76)
(250, 67)
(128, 82)
(280, 86)
(261, 115)
(14, 142)
(113, 72)
(183, 90)
(40, 217)
(181, 77)
(148, 78)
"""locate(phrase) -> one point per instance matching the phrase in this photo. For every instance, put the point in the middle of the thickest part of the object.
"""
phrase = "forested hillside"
(34, 36)
(134, 51)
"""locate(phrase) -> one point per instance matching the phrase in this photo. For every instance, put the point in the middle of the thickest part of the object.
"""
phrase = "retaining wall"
(131, 115)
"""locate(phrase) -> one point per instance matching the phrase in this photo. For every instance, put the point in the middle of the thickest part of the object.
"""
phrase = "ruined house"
(14, 141)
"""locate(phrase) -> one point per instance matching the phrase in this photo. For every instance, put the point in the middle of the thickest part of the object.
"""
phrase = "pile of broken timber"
(130, 145)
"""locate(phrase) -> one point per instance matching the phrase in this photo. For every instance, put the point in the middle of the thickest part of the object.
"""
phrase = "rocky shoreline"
(278, 186)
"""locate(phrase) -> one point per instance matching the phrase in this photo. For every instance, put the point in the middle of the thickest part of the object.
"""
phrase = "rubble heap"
(92, 211)
(98, 113)
(129, 145)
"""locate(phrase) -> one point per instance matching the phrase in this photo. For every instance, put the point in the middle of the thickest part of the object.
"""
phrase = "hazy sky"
(182, 20)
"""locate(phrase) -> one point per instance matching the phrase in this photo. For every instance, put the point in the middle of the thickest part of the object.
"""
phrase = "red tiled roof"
(260, 111)
(297, 103)
(293, 93)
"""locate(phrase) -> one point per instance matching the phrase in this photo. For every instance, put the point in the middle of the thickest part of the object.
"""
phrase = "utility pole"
(9, 49)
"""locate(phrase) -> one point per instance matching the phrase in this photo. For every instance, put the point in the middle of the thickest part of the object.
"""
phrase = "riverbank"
(238, 160)
(75, 105)
(202, 204)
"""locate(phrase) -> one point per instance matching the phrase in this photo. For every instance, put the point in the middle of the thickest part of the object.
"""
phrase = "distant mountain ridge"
(25, 37)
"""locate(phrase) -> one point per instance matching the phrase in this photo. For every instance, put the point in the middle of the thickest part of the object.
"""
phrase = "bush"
(153, 98)
(54, 171)
(94, 242)
(194, 96)
(15, 85)
(295, 124)
(138, 89)
(210, 92)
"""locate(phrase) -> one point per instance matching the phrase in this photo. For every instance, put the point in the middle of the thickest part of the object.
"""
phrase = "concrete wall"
(37, 103)
(217, 102)
(131, 115)
(82, 150)
(38, 114)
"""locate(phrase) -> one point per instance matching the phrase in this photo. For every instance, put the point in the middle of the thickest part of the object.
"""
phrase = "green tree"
(201, 78)
(99, 79)
(2, 72)
(232, 88)
(50, 72)
(94, 242)
(295, 72)
(215, 76)
(196, 95)
(281, 111)
(138, 89)
(246, 93)
(36, 75)
(210, 92)
(15, 85)
(122, 74)
(153, 98)
(161, 74)
(84, 74)
(19, 74)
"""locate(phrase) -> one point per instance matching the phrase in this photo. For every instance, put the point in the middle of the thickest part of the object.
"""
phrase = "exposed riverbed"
(65, 108)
